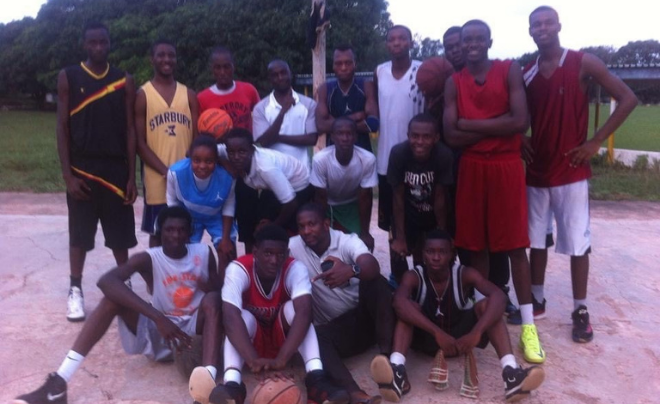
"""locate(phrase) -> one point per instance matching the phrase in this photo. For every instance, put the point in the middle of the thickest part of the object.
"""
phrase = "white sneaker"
(128, 283)
(76, 305)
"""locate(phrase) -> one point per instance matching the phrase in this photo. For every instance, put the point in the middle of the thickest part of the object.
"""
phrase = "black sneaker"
(539, 312)
(52, 392)
(519, 382)
(392, 379)
(321, 391)
(582, 331)
(229, 393)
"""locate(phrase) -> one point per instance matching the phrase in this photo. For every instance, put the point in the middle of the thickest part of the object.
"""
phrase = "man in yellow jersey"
(96, 146)
(166, 114)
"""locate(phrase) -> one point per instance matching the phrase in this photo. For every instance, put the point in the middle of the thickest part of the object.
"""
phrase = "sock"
(71, 363)
(397, 359)
(309, 347)
(313, 364)
(77, 282)
(212, 370)
(537, 291)
(232, 375)
(508, 360)
(527, 313)
(579, 302)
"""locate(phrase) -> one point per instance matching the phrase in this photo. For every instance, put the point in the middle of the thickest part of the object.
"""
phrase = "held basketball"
(277, 391)
(432, 74)
(214, 121)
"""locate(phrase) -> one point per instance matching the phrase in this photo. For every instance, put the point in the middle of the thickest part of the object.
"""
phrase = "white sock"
(212, 370)
(233, 360)
(579, 302)
(232, 375)
(309, 347)
(508, 360)
(537, 291)
(71, 363)
(527, 313)
(397, 358)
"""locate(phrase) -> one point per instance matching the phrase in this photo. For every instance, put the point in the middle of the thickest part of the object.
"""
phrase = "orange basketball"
(277, 391)
(182, 297)
(432, 74)
(214, 121)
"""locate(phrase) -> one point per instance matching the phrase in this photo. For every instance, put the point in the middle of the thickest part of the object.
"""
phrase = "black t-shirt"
(420, 180)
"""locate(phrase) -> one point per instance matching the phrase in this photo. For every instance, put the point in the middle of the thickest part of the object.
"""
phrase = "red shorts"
(491, 203)
(269, 339)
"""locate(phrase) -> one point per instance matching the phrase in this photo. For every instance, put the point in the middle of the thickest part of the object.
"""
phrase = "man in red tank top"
(558, 155)
(486, 114)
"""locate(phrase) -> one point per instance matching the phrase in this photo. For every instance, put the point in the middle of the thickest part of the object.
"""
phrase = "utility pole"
(318, 62)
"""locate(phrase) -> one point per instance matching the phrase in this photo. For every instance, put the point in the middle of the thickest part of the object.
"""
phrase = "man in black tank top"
(437, 314)
(96, 146)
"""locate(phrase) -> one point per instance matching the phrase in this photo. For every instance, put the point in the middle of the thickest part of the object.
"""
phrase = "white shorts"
(148, 341)
(570, 206)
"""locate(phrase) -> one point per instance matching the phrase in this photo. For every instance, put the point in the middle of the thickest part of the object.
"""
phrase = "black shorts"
(384, 203)
(425, 342)
(149, 217)
(117, 220)
(247, 201)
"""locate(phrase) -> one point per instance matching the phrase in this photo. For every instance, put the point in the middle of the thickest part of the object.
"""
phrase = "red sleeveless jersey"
(264, 307)
(485, 101)
(559, 111)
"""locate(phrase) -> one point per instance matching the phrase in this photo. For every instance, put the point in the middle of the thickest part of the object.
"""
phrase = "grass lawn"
(641, 131)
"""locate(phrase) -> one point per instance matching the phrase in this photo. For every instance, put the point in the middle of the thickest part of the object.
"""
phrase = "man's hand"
(263, 364)
(447, 343)
(131, 193)
(287, 103)
(399, 246)
(338, 275)
(526, 151)
(173, 334)
(368, 239)
(77, 188)
(582, 154)
(467, 342)
(227, 248)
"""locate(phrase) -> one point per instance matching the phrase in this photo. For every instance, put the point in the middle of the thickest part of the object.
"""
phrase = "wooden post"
(318, 72)
(610, 140)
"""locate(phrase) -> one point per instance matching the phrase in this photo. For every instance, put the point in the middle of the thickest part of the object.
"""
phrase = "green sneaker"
(530, 344)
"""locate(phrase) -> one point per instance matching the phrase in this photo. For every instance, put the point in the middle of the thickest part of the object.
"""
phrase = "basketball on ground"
(432, 74)
(277, 391)
(214, 121)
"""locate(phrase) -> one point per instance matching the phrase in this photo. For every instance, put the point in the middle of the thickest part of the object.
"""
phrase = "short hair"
(221, 50)
(344, 119)
(238, 133)
(477, 22)
(271, 232)
(542, 8)
(345, 48)
(424, 117)
(160, 41)
(172, 212)
(437, 234)
(451, 31)
(313, 207)
(94, 25)
(403, 27)
(276, 61)
(204, 140)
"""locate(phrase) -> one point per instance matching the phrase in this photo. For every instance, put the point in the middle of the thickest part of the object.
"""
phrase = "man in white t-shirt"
(285, 120)
(343, 176)
(352, 302)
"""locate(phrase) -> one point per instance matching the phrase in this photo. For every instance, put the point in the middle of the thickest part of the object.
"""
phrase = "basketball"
(214, 121)
(187, 359)
(277, 391)
(432, 74)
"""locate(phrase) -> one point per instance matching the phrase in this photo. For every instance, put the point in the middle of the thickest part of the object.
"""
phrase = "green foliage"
(640, 131)
(426, 48)
(619, 182)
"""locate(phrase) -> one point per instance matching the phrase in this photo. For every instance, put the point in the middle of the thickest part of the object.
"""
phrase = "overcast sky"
(584, 22)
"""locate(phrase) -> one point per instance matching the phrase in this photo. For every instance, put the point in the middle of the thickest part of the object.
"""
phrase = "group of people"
(451, 182)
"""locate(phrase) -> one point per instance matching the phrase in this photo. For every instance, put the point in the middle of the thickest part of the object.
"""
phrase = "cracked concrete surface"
(622, 364)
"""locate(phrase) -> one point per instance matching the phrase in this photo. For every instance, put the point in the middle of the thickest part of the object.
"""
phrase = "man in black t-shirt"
(419, 170)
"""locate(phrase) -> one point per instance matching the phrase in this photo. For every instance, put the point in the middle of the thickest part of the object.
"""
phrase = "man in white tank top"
(185, 302)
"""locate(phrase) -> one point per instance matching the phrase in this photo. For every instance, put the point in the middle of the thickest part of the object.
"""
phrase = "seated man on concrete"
(185, 302)
(437, 314)
(352, 301)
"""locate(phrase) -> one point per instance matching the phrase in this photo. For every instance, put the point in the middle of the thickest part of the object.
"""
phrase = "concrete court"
(621, 365)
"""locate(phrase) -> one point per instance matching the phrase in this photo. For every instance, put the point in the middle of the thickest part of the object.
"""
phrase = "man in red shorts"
(486, 114)
(558, 155)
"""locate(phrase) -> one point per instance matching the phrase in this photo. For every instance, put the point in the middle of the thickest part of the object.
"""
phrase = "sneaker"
(530, 344)
(321, 391)
(52, 392)
(229, 393)
(76, 305)
(510, 308)
(582, 331)
(128, 283)
(539, 312)
(392, 379)
(470, 384)
(200, 385)
(519, 382)
(439, 374)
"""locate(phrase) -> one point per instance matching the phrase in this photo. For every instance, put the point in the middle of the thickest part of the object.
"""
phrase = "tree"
(639, 52)
(426, 48)
(604, 53)
(527, 58)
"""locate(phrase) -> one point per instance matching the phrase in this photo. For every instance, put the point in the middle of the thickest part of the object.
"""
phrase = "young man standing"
(347, 96)
(96, 146)
(419, 171)
(352, 302)
(185, 302)
(343, 176)
(267, 312)
(285, 120)
(165, 121)
(486, 114)
(451, 41)
(558, 154)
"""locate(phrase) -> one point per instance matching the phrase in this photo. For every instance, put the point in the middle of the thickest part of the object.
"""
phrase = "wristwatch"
(356, 270)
